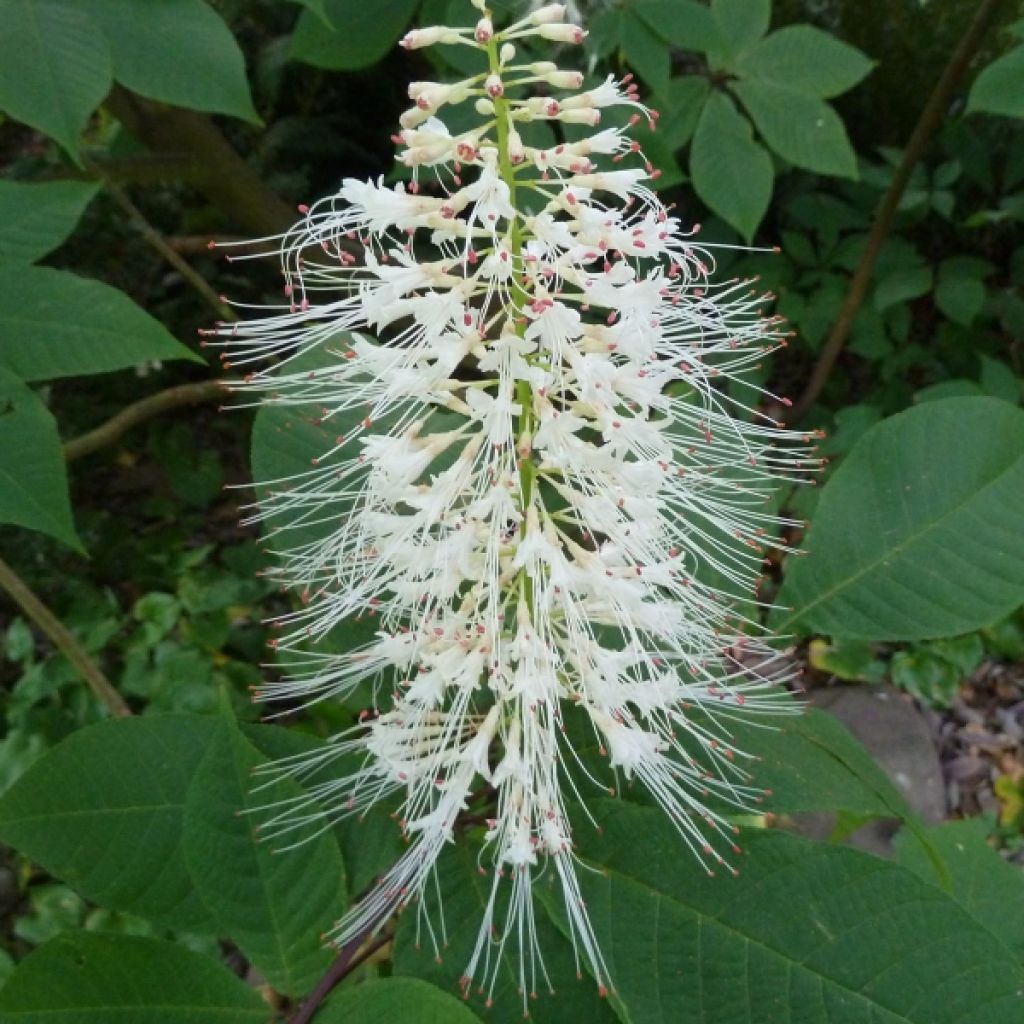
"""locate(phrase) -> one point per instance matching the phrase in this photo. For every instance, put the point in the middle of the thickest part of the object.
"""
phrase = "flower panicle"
(544, 481)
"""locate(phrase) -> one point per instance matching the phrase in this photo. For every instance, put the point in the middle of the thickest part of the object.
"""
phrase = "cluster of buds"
(547, 477)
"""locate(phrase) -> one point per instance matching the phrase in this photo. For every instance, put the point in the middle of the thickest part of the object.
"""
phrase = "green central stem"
(519, 298)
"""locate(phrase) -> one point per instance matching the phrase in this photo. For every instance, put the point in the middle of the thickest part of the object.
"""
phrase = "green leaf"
(103, 811)
(801, 58)
(35, 219)
(33, 477)
(741, 23)
(985, 884)
(55, 324)
(54, 67)
(684, 99)
(930, 679)
(363, 33)
(317, 7)
(393, 1000)
(83, 978)
(999, 89)
(682, 23)
(371, 842)
(464, 894)
(802, 129)
(958, 388)
(732, 174)
(645, 52)
(176, 51)
(811, 762)
(960, 298)
(902, 286)
(846, 659)
(917, 533)
(998, 380)
(806, 931)
(274, 904)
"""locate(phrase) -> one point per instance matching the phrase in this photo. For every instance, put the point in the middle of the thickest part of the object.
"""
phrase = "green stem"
(524, 393)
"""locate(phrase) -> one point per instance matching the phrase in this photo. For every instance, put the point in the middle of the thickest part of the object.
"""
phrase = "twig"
(156, 241)
(927, 124)
(351, 956)
(138, 412)
(61, 638)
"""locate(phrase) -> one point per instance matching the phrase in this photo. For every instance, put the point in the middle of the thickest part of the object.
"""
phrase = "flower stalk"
(544, 480)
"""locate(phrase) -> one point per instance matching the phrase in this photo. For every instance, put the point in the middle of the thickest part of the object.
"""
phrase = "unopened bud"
(564, 79)
(420, 37)
(507, 54)
(494, 86)
(562, 33)
(548, 14)
(484, 32)
(484, 107)
(516, 153)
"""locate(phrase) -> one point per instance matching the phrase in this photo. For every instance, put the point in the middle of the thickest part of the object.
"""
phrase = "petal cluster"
(549, 478)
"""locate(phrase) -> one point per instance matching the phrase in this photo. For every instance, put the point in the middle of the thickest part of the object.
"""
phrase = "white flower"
(542, 531)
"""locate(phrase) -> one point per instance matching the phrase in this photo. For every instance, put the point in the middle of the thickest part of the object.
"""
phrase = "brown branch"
(213, 165)
(156, 241)
(61, 638)
(927, 124)
(351, 956)
(138, 412)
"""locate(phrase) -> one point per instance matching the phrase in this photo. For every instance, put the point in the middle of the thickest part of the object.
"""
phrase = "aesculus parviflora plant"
(551, 482)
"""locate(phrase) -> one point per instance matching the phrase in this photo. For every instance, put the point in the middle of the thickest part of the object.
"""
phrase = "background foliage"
(134, 130)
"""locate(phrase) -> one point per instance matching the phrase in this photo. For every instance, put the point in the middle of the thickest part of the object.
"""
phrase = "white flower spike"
(546, 486)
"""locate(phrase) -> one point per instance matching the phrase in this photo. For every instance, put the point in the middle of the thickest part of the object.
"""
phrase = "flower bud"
(484, 107)
(516, 152)
(561, 33)
(484, 31)
(420, 37)
(507, 53)
(493, 86)
(564, 79)
(548, 14)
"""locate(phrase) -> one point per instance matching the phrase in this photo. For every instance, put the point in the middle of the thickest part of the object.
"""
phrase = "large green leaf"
(55, 324)
(362, 34)
(999, 89)
(918, 533)
(741, 23)
(394, 1000)
(275, 906)
(683, 23)
(730, 171)
(83, 978)
(35, 219)
(33, 478)
(103, 811)
(372, 841)
(176, 51)
(805, 932)
(804, 59)
(811, 762)
(990, 888)
(54, 67)
(802, 129)
(463, 893)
